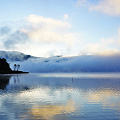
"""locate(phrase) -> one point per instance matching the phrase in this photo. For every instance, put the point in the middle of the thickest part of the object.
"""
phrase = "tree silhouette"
(15, 67)
(18, 66)
(4, 66)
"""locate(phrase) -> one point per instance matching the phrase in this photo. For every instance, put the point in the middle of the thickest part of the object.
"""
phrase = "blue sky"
(64, 27)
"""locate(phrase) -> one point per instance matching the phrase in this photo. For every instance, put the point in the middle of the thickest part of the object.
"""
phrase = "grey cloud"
(15, 38)
(4, 30)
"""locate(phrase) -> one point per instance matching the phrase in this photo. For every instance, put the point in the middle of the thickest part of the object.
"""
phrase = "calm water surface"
(60, 96)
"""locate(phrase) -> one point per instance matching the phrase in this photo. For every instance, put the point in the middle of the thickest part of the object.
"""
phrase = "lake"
(60, 96)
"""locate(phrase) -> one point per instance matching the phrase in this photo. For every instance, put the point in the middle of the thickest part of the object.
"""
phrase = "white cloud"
(110, 7)
(47, 22)
(104, 46)
(82, 2)
(43, 37)
(66, 16)
(48, 30)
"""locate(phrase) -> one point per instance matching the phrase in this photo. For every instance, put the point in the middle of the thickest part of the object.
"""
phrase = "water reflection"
(16, 79)
(16, 84)
(4, 81)
(108, 98)
(47, 112)
(55, 98)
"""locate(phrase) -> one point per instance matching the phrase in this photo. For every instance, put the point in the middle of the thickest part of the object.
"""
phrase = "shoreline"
(15, 72)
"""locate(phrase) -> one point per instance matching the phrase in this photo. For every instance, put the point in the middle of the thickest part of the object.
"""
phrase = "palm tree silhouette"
(18, 66)
(15, 67)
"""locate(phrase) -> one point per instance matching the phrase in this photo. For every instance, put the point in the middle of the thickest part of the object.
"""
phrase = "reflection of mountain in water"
(4, 81)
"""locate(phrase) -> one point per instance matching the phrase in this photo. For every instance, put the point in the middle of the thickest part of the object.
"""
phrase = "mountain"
(83, 63)
(14, 56)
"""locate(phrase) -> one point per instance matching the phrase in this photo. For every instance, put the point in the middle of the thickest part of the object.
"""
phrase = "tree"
(18, 66)
(15, 67)
(4, 66)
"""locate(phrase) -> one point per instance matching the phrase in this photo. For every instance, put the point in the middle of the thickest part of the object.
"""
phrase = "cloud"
(66, 16)
(49, 34)
(4, 30)
(110, 7)
(48, 22)
(14, 39)
(41, 36)
(49, 30)
(82, 2)
(104, 46)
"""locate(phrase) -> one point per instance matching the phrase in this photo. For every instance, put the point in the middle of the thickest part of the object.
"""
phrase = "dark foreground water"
(60, 96)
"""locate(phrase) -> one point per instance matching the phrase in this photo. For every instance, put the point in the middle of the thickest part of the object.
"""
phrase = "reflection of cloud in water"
(83, 82)
(49, 98)
(46, 95)
(46, 103)
(49, 111)
(108, 98)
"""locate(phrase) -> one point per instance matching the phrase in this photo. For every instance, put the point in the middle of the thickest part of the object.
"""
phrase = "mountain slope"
(14, 56)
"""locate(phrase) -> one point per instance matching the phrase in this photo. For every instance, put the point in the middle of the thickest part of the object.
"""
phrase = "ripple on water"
(60, 96)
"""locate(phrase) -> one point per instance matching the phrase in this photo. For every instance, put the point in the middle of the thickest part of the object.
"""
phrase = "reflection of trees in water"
(16, 79)
(4, 81)
(17, 85)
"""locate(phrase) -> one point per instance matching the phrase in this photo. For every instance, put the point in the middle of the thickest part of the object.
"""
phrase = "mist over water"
(60, 96)
(82, 63)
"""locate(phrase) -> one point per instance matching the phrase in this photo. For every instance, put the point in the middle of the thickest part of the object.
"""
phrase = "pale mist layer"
(83, 63)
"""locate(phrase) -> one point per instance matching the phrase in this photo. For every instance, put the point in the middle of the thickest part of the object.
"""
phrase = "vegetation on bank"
(5, 68)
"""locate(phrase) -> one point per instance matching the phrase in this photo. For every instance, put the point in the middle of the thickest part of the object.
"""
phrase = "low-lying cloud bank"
(84, 63)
